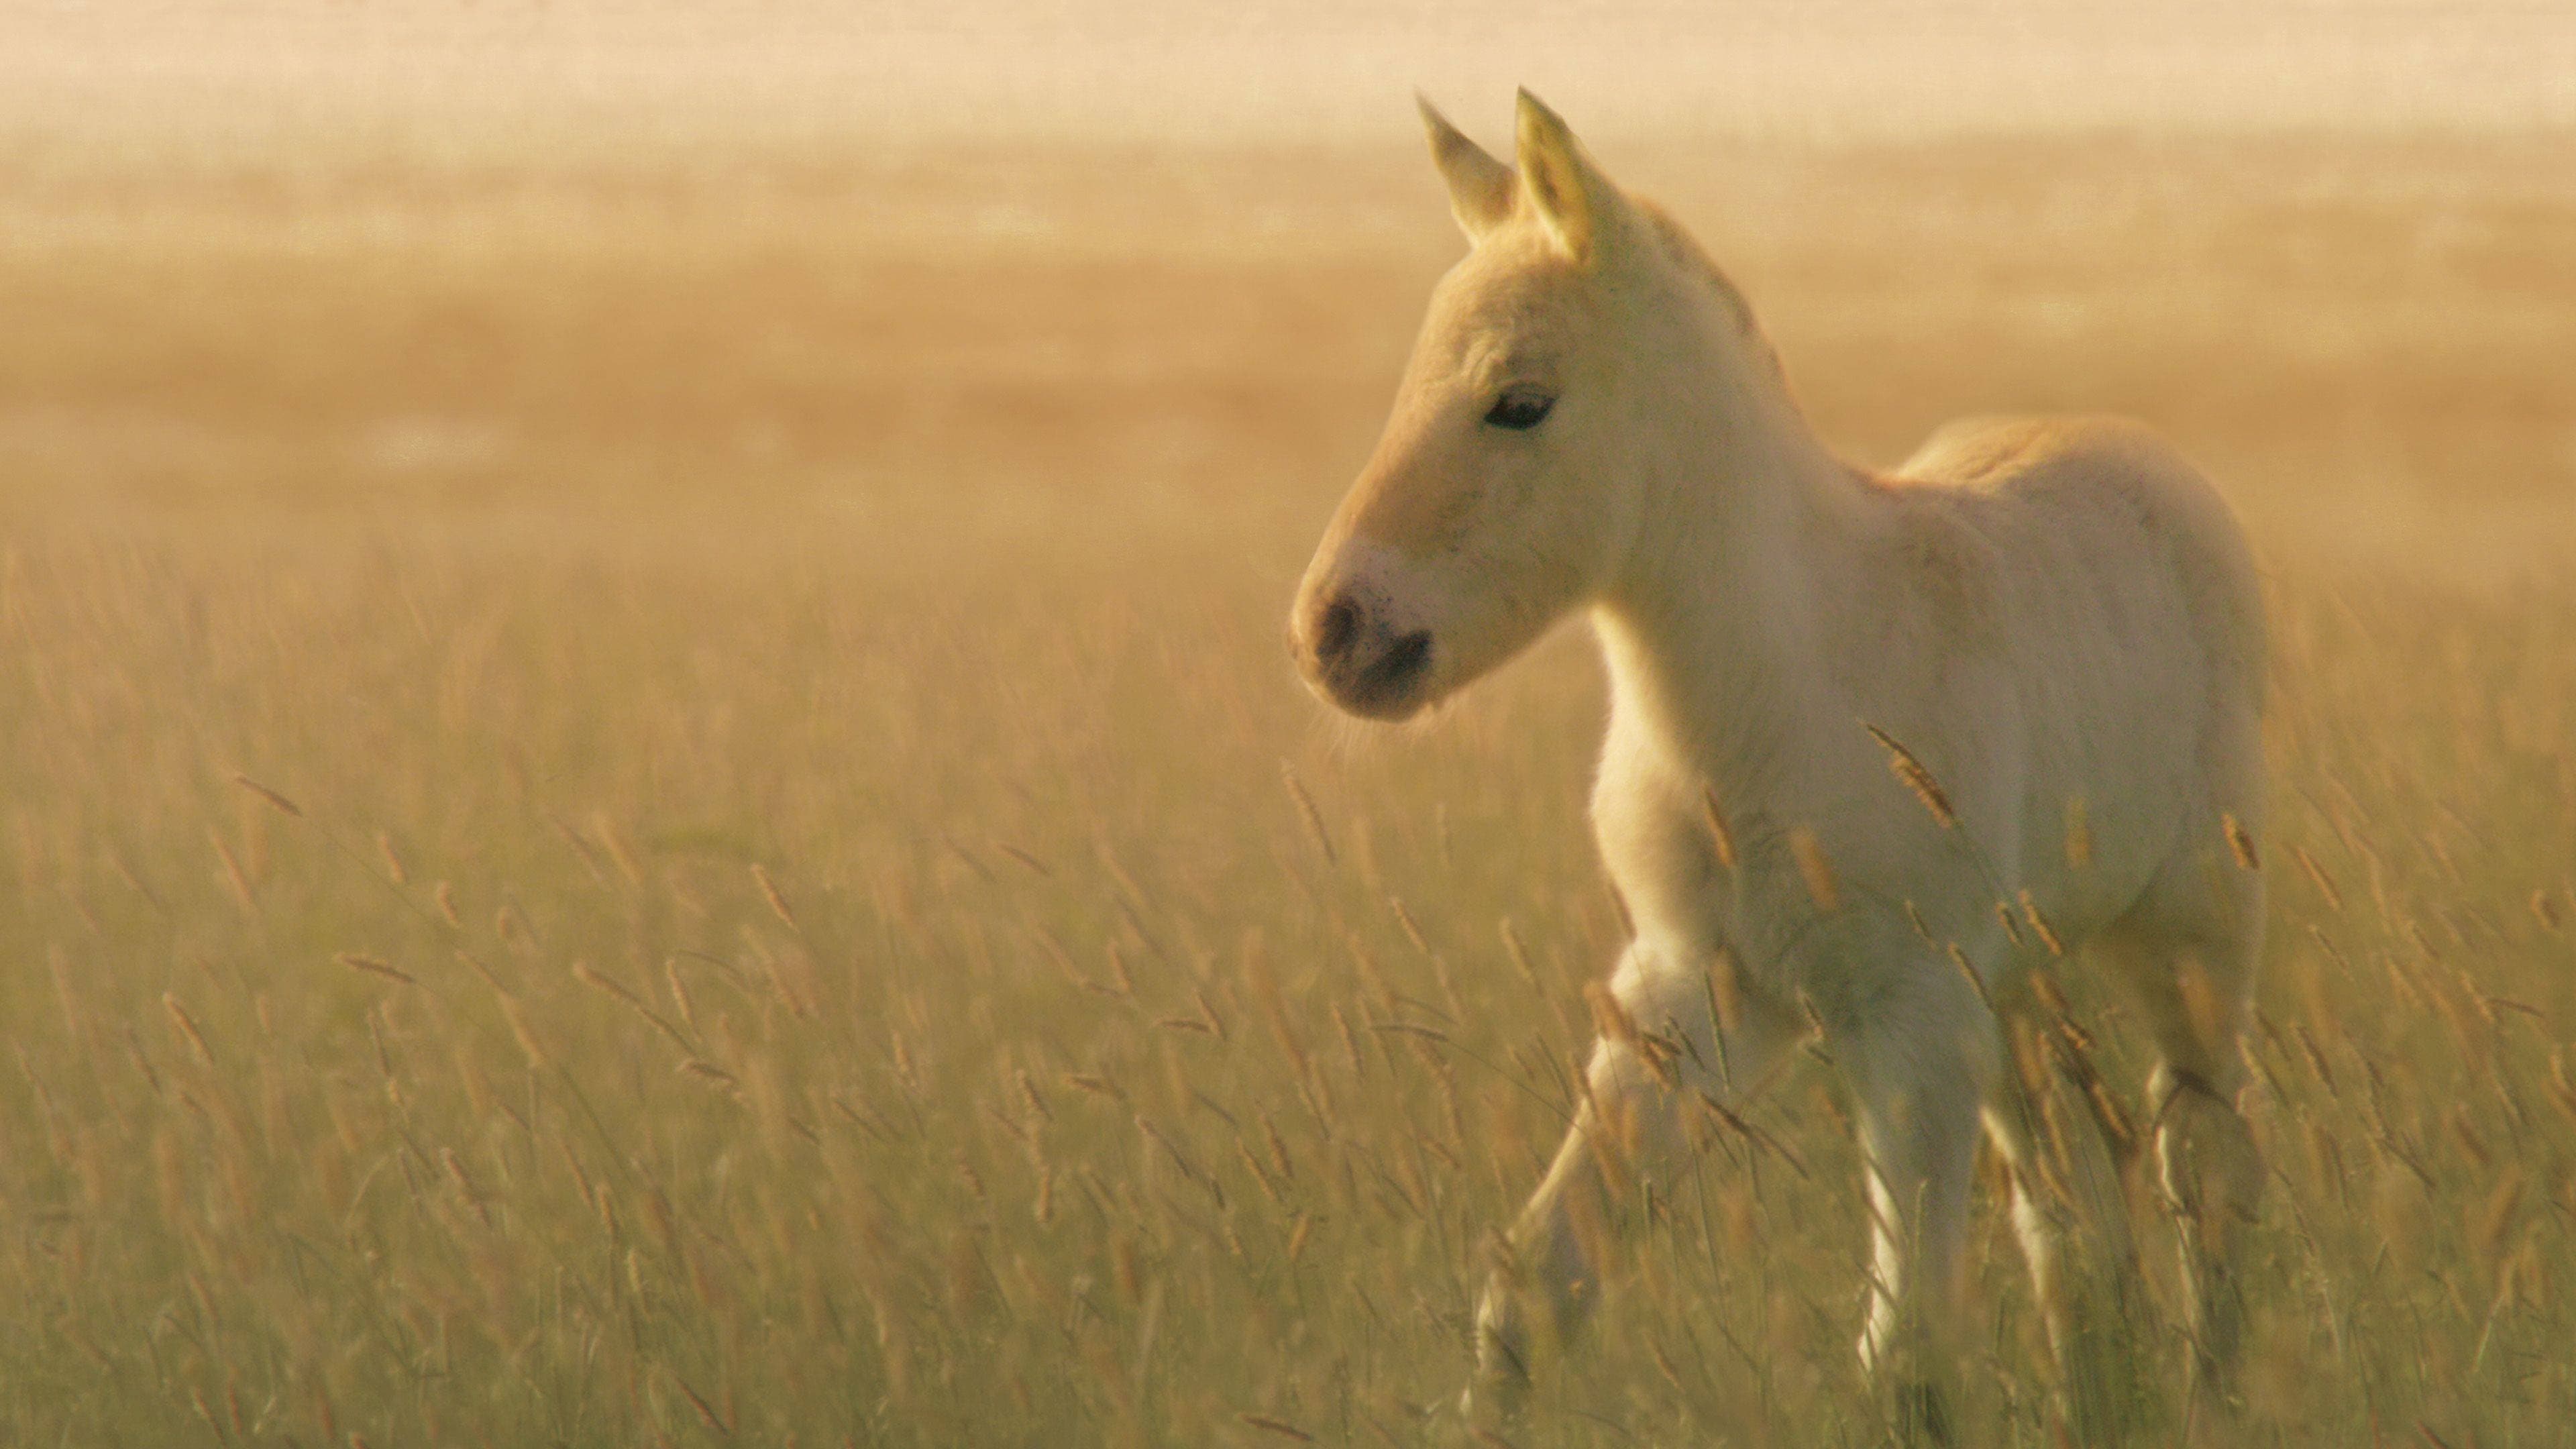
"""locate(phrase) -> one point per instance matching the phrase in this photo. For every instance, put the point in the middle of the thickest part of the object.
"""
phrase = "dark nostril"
(1404, 659)
(1334, 632)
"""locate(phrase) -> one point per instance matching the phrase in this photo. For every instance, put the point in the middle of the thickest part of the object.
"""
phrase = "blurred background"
(651, 793)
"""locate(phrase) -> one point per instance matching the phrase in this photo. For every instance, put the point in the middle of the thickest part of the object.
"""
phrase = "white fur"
(2058, 619)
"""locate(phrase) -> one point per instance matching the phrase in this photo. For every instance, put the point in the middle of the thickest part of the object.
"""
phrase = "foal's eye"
(1520, 409)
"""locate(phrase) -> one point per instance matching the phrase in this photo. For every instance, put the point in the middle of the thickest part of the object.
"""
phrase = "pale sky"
(1283, 69)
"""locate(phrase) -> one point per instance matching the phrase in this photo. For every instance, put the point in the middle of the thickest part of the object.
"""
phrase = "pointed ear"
(1480, 187)
(1578, 203)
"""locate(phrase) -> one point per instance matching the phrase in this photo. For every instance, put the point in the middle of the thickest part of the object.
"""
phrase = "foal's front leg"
(1627, 1130)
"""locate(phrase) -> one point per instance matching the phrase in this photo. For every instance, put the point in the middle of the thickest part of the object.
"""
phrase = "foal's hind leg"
(2187, 953)
(1919, 1071)
(2071, 1214)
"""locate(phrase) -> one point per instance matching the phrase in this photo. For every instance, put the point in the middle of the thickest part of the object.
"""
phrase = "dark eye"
(1520, 409)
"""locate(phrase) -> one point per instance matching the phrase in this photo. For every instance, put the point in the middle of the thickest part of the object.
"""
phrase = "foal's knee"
(1663, 1042)
(1546, 1271)
(2207, 1161)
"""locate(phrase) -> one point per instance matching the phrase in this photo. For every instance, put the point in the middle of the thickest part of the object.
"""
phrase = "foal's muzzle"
(1356, 659)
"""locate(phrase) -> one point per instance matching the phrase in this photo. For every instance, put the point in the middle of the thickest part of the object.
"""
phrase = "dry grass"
(651, 807)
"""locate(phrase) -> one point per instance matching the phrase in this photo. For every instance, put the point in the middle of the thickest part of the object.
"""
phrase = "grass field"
(663, 804)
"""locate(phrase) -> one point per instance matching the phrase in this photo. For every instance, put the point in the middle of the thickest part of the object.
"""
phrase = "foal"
(1877, 746)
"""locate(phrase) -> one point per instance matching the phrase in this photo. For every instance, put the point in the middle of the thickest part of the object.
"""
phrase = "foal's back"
(2106, 499)
(2102, 569)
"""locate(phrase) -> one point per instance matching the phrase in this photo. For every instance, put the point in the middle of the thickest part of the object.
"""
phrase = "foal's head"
(1514, 476)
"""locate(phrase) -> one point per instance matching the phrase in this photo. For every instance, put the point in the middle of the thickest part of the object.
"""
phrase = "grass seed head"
(2079, 833)
(394, 869)
(187, 1027)
(769, 892)
(2240, 842)
(374, 967)
(1307, 814)
(1910, 771)
(2012, 927)
(1720, 837)
(1814, 869)
(2039, 925)
(279, 802)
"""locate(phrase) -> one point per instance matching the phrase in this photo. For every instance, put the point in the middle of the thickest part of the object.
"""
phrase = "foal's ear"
(1577, 203)
(1480, 187)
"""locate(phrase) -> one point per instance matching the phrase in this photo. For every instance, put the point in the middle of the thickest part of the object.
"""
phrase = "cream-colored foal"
(2050, 628)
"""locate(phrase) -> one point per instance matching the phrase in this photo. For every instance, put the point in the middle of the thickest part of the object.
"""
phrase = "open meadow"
(660, 802)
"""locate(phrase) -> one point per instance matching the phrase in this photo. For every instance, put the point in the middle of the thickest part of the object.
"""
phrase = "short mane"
(1685, 250)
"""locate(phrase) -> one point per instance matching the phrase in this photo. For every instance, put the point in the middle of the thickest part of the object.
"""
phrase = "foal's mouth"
(1387, 687)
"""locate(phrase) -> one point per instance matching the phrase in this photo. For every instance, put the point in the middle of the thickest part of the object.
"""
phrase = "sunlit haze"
(427, 75)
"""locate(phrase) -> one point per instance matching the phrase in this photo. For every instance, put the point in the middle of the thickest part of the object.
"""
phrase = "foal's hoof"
(1493, 1403)
(1500, 1390)
(1922, 1416)
(1497, 1396)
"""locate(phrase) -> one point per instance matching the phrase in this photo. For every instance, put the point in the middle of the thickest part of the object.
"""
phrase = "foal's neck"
(1720, 633)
